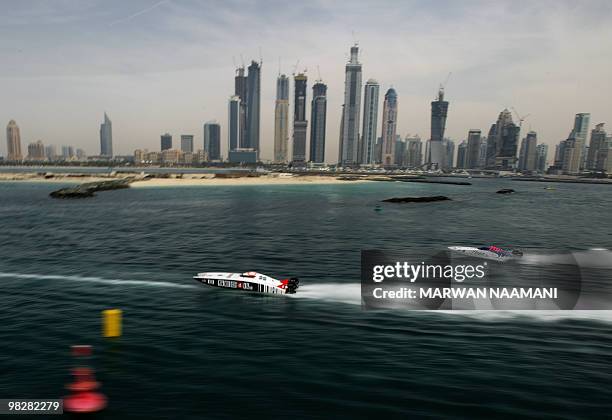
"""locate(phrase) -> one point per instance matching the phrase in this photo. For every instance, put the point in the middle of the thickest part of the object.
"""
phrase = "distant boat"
(487, 252)
(550, 188)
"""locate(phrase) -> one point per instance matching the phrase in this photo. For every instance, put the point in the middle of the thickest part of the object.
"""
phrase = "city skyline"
(185, 90)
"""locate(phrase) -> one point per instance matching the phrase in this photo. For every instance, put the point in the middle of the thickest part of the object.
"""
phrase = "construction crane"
(521, 119)
(297, 63)
(319, 74)
(443, 86)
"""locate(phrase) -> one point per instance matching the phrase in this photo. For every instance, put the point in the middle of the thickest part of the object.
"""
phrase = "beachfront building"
(106, 138)
(436, 158)
(349, 125)
(414, 152)
(462, 155)
(389, 127)
(166, 141)
(234, 123)
(187, 143)
(318, 117)
(528, 153)
(597, 146)
(369, 129)
(502, 143)
(13, 142)
(239, 98)
(472, 152)
(575, 145)
(36, 151)
(50, 152)
(541, 157)
(281, 120)
(449, 153)
(212, 140)
(300, 124)
(253, 102)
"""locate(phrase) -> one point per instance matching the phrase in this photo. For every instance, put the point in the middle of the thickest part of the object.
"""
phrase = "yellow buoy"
(111, 320)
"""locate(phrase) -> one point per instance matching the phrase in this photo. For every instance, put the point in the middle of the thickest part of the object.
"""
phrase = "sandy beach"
(198, 180)
(183, 180)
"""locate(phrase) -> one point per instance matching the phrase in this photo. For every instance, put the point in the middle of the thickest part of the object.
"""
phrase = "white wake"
(118, 282)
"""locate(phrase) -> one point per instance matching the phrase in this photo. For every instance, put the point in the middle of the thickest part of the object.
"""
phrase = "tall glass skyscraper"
(106, 137)
(281, 119)
(233, 123)
(349, 136)
(212, 140)
(472, 153)
(240, 91)
(575, 145)
(389, 127)
(166, 142)
(597, 146)
(253, 99)
(502, 143)
(318, 116)
(370, 123)
(300, 123)
(436, 153)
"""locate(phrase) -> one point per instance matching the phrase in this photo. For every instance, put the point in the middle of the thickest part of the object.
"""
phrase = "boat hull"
(243, 286)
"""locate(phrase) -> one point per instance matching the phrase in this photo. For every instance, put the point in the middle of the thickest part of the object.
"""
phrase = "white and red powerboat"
(487, 252)
(250, 281)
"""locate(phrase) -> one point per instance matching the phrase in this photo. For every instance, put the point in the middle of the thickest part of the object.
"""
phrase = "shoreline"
(181, 180)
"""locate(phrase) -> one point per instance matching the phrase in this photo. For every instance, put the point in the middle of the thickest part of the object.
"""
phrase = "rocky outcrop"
(416, 199)
(90, 188)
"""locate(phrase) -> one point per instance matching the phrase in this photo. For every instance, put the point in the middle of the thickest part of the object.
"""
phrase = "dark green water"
(192, 352)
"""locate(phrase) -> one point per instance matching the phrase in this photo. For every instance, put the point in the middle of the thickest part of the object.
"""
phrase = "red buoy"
(84, 398)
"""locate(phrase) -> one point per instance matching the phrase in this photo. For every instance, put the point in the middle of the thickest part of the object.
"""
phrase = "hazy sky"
(158, 66)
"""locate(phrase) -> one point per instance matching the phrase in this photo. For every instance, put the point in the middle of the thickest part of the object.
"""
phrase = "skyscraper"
(50, 152)
(389, 127)
(472, 157)
(166, 141)
(462, 155)
(449, 153)
(575, 144)
(414, 152)
(300, 123)
(233, 122)
(604, 157)
(349, 136)
(36, 151)
(212, 140)
(502, 143)
(13, 142)
(240, 91)
(187, 143)
(67, 152)
(399, 151)
(370, 123)
(318, 116)
(253, 98)
(528, 153)
(439, 111)
(482, 161)
(281, 119)
(541, 157)
(106, 137)
(598, 143)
